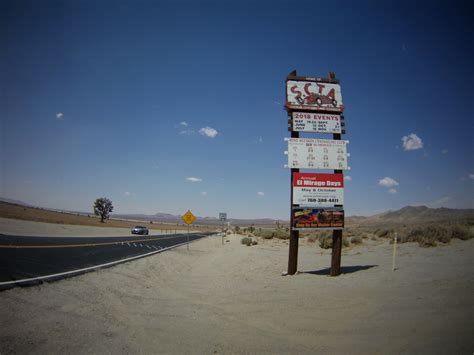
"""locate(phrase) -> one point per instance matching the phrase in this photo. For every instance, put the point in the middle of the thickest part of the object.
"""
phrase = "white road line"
(90, 267)
(147, 246)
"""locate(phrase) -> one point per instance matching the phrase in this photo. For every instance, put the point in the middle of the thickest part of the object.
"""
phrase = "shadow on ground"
(344, 270)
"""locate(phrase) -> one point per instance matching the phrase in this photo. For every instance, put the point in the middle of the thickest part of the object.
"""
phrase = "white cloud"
(392, 191)
(204, 193)
(471, 176)
(193, 179)
(208, 132)
(412, 142)
(442, 200)
(127, 193)
(388, 182)
(184, 124)
(60, 116)
(260, 193)
(444, 151)
(186, 131)
(348, 178)
(260, 139)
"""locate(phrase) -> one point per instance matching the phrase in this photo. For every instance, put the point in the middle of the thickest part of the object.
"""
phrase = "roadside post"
(223, 219)
(314, 105)
(188, 218)
(394, 251)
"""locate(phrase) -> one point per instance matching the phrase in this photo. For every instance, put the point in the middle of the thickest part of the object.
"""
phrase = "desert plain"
(233, 298)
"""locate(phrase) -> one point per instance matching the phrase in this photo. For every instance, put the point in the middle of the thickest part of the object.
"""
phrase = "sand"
(231, 298)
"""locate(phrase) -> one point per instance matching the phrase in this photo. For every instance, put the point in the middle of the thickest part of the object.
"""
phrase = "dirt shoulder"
(231, 298)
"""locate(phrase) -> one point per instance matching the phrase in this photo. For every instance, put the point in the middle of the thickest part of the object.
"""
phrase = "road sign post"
(223, 219)
(188, 218)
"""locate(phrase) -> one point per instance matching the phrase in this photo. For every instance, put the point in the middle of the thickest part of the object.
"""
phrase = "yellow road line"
(78, 245)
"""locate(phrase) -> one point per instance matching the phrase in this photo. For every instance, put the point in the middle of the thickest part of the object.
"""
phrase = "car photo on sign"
(317, 218)
(315, 96)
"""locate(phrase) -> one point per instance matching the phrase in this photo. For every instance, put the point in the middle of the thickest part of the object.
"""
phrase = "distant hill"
(14, 202)
(415, 215)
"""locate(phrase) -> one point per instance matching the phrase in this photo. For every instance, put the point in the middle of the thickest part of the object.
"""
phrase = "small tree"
(103, 207)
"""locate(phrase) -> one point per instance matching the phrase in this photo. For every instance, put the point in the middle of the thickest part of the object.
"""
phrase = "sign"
(222, 216)
(188, 217)
(318, 122)
(317, 218)
(320, 190)
(307, 153)
(315, 96)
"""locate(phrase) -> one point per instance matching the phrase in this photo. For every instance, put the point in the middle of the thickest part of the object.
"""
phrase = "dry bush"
(325, 241)
(246, 241)
(254, 242)
(312, 239)
(279, 233)
(461, 232)
(356, 239)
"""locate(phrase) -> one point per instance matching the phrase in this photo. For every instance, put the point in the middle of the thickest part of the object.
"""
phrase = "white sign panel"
(318, 190)
(317, 122)
(310, 95)
(306, 153)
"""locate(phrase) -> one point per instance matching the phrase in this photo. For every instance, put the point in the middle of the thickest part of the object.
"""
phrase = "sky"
(169, 106)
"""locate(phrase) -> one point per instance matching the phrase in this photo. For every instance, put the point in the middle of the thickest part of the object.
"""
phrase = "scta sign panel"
(317, 96)
(318, 190)
(307, 153)
(317, 122)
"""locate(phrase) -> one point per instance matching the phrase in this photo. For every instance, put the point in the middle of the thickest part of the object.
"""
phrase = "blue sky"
(169, 106)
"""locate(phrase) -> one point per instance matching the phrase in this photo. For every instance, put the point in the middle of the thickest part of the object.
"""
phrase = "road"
(31, 260)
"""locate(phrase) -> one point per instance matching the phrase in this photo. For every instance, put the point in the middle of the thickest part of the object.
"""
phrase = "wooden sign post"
(314, 105)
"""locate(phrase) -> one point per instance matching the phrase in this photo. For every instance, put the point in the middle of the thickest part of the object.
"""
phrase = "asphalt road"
(31, 260)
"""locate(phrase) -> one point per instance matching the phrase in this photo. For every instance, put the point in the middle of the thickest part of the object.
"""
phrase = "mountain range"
(405, 215)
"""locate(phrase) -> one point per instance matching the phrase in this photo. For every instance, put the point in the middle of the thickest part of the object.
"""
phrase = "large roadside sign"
(188, 217)
(319, 190)
(308, 153)
(222, 216)
(317, 218)
(313, 95)
(317, 122)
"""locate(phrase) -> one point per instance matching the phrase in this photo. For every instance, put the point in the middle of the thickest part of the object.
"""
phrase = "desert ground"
(232, 298)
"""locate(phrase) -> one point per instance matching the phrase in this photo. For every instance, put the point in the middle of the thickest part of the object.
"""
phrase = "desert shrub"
(356, 239)
(246, 241)
(461, 232)
(382, 233)
(265, 233)
(280, 234)
(254, 242)
(427, 242)
(325, 241)
(312, 239)
(345, 242)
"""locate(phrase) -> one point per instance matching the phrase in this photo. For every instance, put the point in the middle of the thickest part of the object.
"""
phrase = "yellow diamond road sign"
(188, 217)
